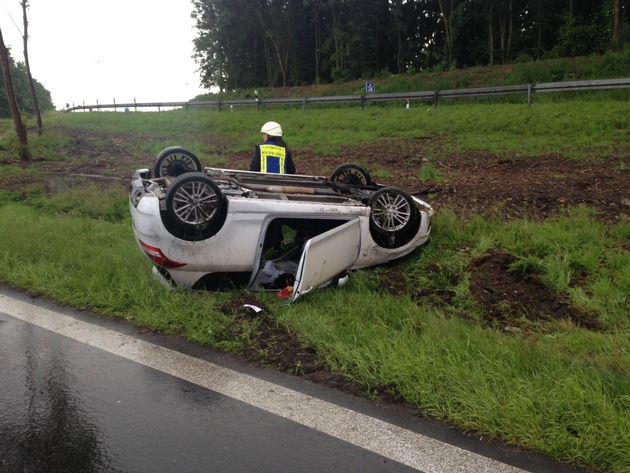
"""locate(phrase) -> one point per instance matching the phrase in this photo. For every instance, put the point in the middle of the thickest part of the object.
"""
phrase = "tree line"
(278, 43)
(22, 91)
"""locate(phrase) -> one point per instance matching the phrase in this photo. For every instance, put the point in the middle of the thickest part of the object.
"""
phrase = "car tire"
(195, 207)
(394, 217)
(175, 161)
(351, 174)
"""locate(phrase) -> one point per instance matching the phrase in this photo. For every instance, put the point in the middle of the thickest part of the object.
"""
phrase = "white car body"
(338, 236)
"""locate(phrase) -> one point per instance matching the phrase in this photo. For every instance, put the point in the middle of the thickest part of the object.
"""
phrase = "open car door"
(326, 256)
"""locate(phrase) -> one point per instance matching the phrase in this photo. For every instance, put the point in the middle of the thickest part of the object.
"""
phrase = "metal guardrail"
(434, 96)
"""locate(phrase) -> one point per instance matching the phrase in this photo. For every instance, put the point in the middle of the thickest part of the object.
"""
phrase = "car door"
(326, 256)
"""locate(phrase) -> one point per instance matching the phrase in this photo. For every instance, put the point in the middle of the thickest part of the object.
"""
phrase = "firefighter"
(273, 155)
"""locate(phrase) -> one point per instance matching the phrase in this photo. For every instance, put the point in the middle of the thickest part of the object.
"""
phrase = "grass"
(517, 388)
(551, 387)
(542, 128)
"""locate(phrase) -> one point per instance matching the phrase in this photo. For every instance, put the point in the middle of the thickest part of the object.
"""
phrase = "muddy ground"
(476, 183)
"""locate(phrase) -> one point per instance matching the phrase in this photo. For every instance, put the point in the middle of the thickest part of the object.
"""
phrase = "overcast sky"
(88, 50)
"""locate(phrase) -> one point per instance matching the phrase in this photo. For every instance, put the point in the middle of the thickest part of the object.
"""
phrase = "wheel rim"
(391, 212)
(351, 176)
(176, 164)
(195, 203)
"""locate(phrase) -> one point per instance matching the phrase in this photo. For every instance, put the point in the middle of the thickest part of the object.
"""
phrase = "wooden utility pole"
(20, 129)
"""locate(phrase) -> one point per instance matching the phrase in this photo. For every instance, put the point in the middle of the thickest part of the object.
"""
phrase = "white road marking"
(393, 442)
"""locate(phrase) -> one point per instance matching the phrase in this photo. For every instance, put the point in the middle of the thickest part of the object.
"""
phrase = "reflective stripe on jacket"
(272, 158)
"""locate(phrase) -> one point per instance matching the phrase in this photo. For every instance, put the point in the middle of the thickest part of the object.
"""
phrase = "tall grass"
(530, 390)
(95, 264)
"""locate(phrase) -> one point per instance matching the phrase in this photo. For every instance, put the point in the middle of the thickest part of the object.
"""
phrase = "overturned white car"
(210, 228)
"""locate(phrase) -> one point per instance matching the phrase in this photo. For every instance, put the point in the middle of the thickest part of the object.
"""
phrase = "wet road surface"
(81, 393)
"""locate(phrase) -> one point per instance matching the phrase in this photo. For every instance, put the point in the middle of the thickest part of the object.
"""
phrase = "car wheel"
(195, 205)
(351, 174)
(393, 214)
(174, 161)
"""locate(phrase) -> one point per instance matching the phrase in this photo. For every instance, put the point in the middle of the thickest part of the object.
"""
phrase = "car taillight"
(156, 255)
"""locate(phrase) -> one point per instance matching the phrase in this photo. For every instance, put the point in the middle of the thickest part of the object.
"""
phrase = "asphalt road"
(84, 393)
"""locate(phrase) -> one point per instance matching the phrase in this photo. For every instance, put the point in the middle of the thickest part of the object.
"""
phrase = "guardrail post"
(257, 105)
(304, 104)
(529, 94)
(219, 104)
(114, 100)
(362, 101)
(435, 98)
(135, 105)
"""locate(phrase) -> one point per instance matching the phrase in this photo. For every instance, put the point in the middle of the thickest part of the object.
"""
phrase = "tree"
(447, 10)
(274, 17)
(489, 11)
(226, 46)
(336, 43)
(400, 32)
(31, 83)
(617, 20)
(586, 29)
(271, 43)
(541, 21)
(20, 129)
(620, 11)
(22, 92)
(425, 37)
(506, 27)
(315, 14)
(358, 41)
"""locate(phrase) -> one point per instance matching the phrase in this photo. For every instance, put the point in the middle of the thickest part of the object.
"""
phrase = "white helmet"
(272, 129)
